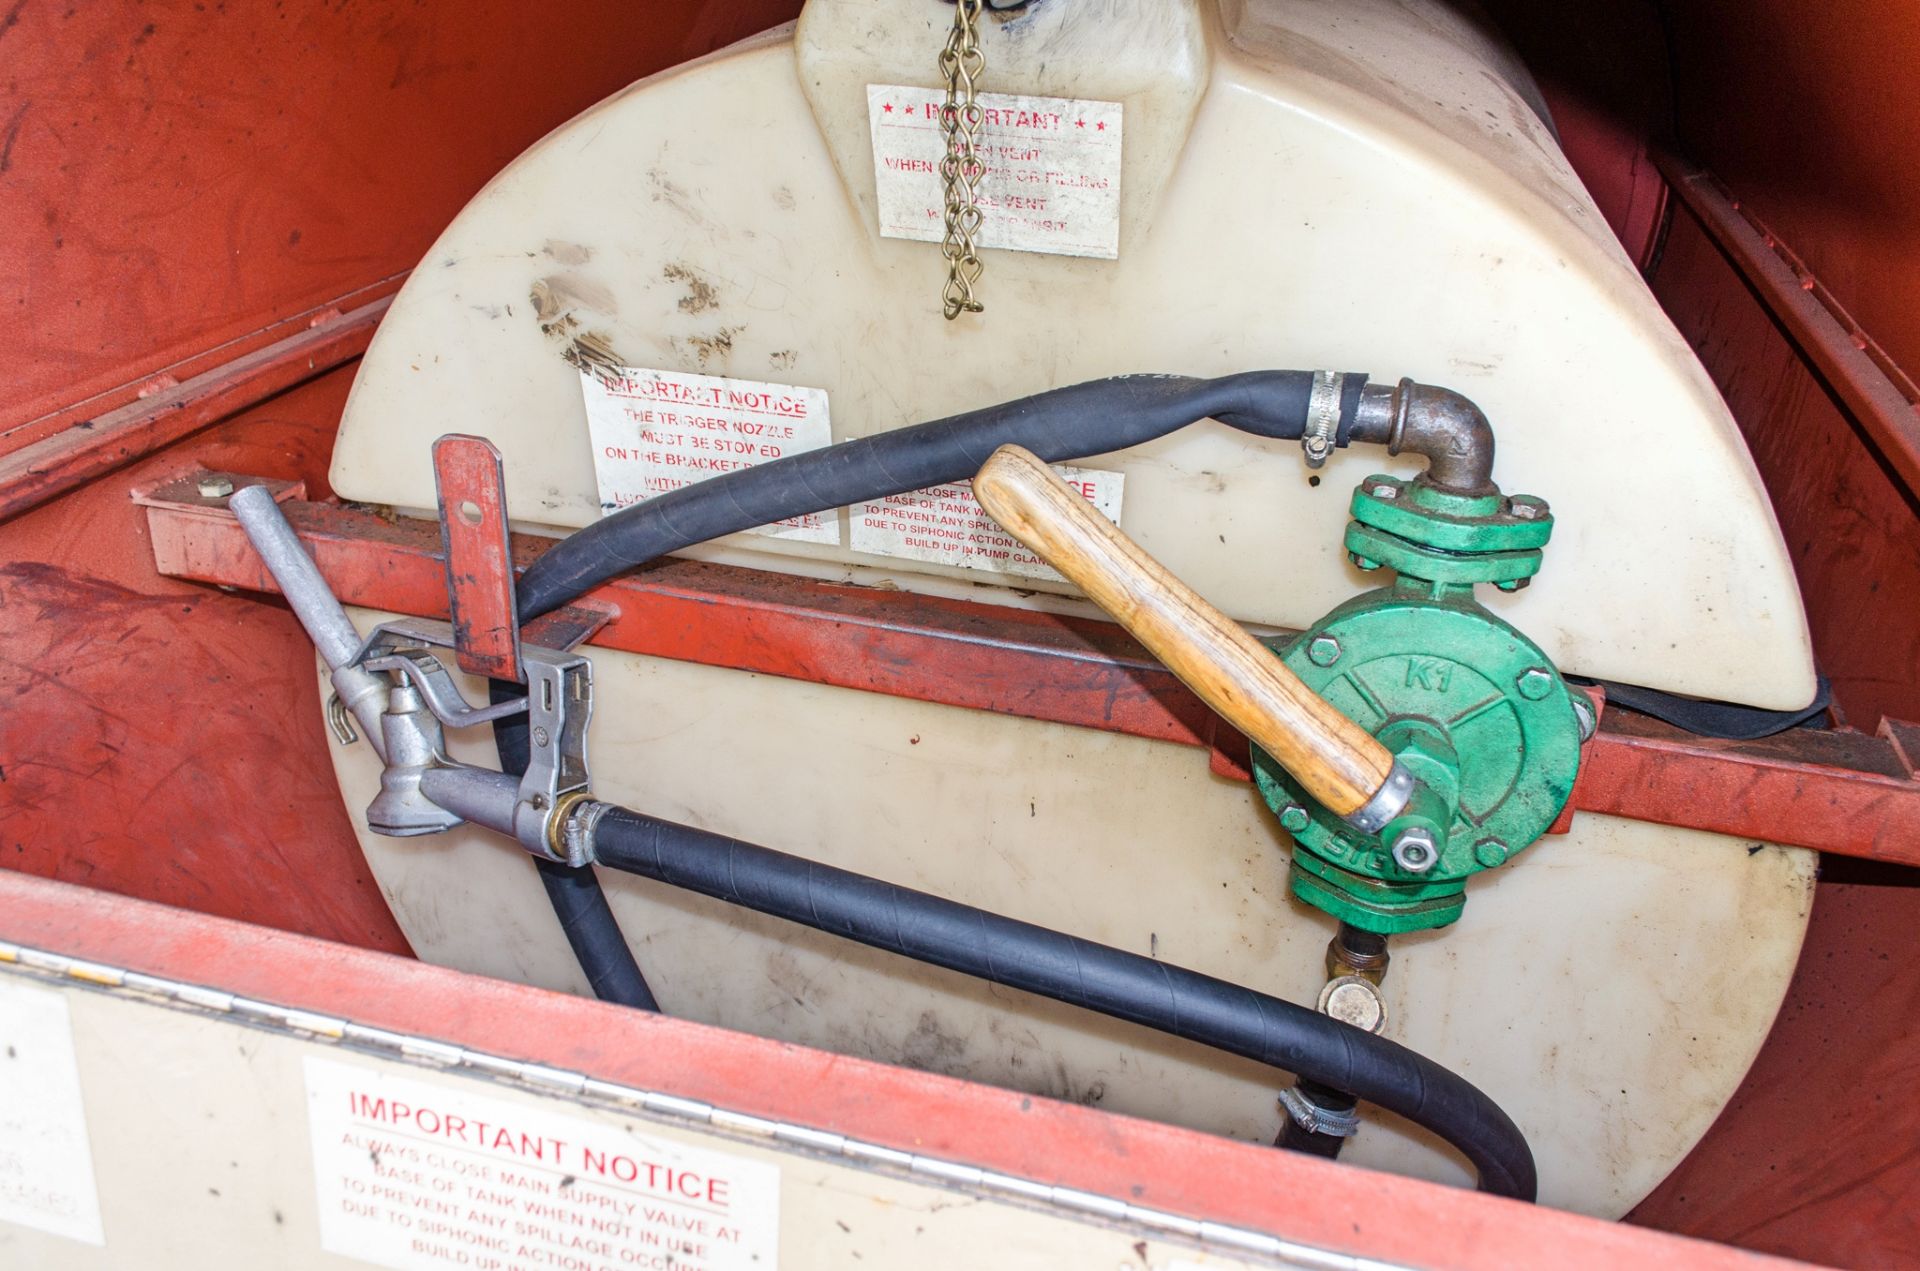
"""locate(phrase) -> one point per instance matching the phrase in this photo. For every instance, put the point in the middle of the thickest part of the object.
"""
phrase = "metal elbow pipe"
(1436, 422)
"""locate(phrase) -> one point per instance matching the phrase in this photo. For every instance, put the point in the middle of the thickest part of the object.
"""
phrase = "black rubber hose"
(592, 931)
(1113, 982)
(595, 936)
(1066, 423)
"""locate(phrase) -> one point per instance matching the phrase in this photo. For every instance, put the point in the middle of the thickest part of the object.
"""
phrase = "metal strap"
(1323, 417)
(1310, 1116)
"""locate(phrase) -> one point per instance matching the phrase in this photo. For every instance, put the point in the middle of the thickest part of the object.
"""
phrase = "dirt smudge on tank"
(674, 196)
(563, 305)
(566, 253)
(706, 349)
(701, 295)
(930, 1046)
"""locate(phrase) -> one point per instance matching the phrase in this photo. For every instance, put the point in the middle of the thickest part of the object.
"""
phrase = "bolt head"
(1490, 853)
(1514, 584)
(1323, 650)
(1526, 511)
(1364, 562)
(1293, 818)
(215, 487)
(1415, 851)
(1534, 683)
(1384, 491)
(1583, 715)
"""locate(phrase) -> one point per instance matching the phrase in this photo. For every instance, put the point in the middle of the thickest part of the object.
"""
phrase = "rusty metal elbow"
(1439, 423)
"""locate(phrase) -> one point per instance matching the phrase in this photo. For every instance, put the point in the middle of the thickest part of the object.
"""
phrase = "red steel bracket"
(472, 491)
(569, 625)
(1838, 790)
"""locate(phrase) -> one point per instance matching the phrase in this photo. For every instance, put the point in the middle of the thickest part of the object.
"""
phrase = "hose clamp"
(1323, 417)
(1310, 1116)
(1387, 802)
(571, 827)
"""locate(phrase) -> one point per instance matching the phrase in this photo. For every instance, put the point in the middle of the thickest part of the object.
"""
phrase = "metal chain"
(961, 63)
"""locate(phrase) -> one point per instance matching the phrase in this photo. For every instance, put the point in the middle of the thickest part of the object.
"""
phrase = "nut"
(1365, 563)
(1323, 650)
(1414, 850)
(215, 487)
(1534, 683)
(1384, 491)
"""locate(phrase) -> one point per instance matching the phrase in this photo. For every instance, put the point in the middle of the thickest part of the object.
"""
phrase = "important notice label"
(423, 1177)
(655, 431)
(945, 525)
(1052, 178)
(46, 1165)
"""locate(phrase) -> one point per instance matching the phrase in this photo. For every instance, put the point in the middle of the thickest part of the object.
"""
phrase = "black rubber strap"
(1726, 720)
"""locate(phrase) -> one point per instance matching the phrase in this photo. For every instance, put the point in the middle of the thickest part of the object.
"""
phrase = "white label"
(655, 431)
(424, 1177)
(945, 525)
(46, 1166)
(1052, 179)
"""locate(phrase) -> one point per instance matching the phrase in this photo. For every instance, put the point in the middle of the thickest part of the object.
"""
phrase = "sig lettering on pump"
(1052, 181)
(655, 431)
(423, 1177)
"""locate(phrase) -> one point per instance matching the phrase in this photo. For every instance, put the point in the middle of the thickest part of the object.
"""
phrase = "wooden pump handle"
(1337, 761)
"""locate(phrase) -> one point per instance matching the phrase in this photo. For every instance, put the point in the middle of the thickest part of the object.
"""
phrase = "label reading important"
(46, 1165)
(945, 525)
(423, 1177)
(655, 431)
(1052, 180)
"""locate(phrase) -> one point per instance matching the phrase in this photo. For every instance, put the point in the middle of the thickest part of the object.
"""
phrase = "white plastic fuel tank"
(1358, 185)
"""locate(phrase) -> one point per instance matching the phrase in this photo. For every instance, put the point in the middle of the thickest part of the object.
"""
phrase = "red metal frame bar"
(84, 448)
(1293, 1196)
(1838, 791)
(1880, 395)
